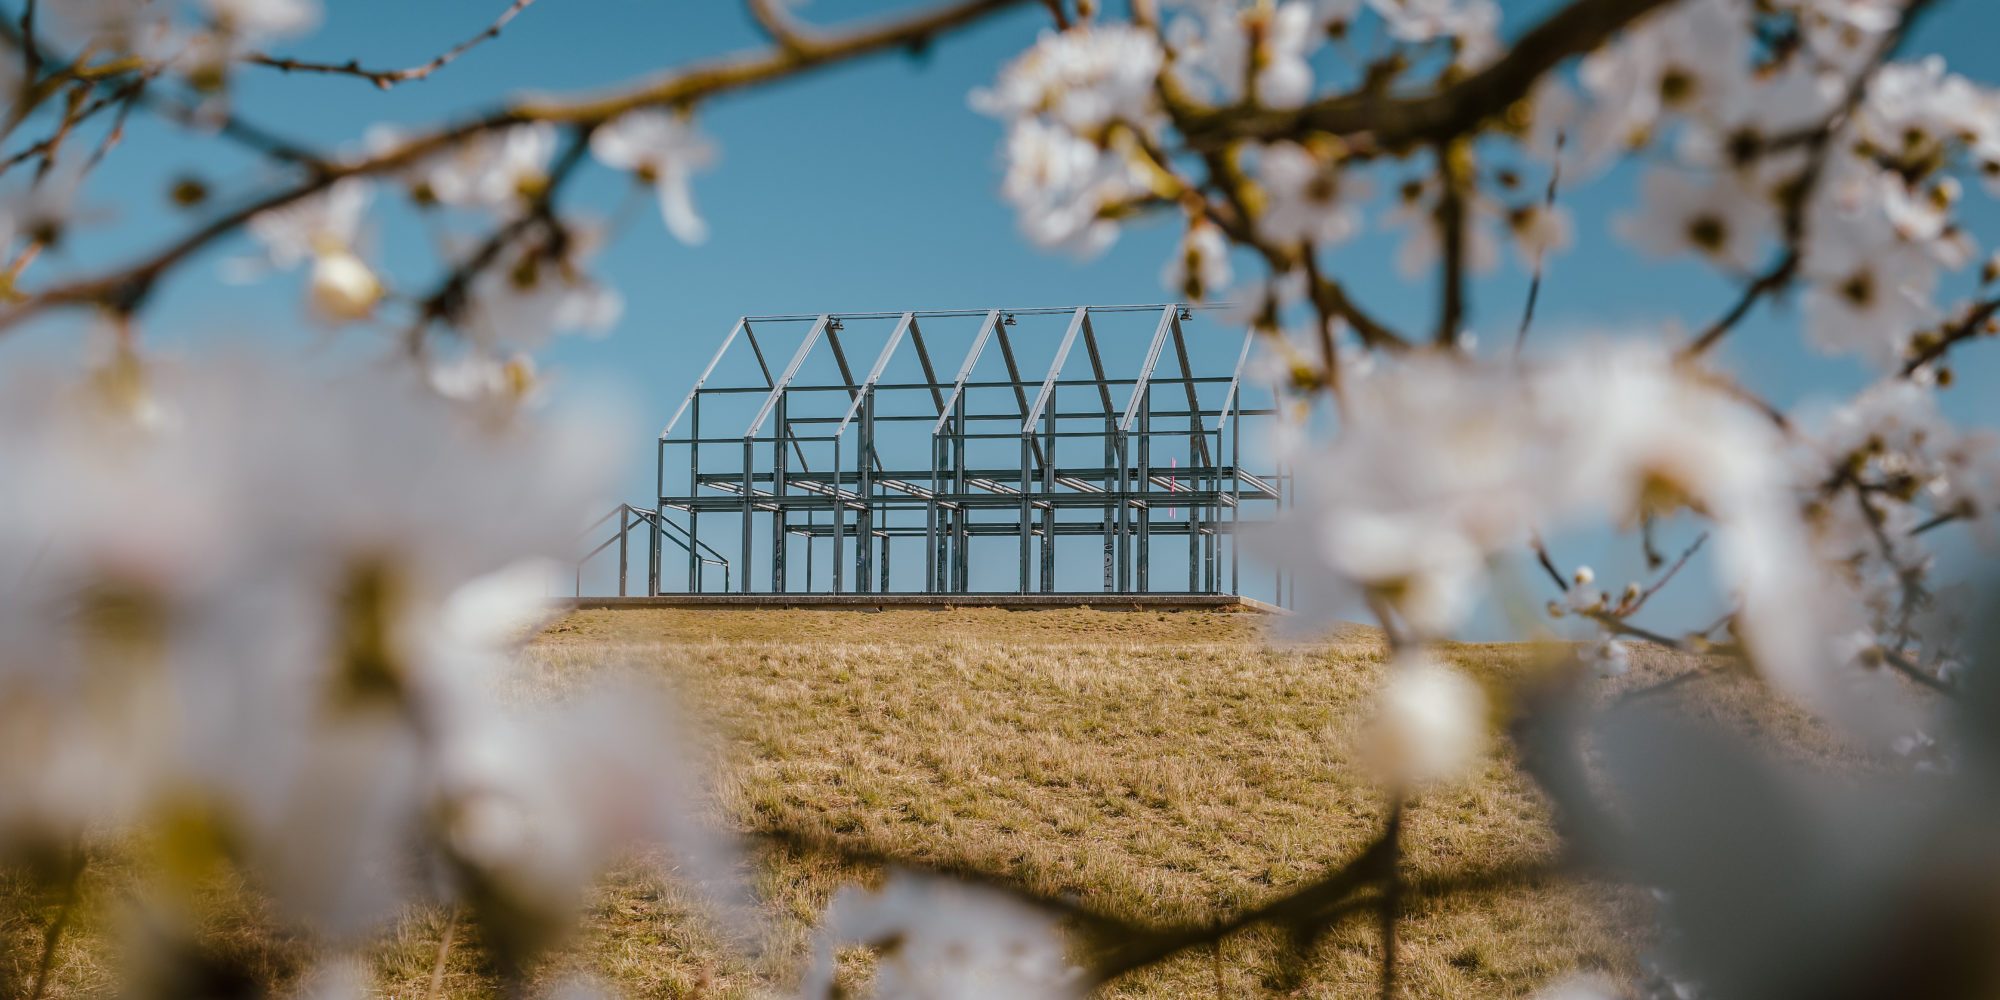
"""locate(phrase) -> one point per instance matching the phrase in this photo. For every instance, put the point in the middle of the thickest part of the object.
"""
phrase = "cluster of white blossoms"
(197, 39)
(1445, 462)
(272, 615)
(1771, 167)
(1876, 473)
(512, 302)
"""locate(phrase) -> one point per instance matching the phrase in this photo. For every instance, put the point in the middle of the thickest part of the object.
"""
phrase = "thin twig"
(1647, 594)
(1902, 665)
(1454, 171)
(1541, 251)
(387, 78)
(1971, 326)
(1773, 278)
(127, 288)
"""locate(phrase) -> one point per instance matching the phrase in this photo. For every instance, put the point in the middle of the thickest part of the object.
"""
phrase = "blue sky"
(864, 187)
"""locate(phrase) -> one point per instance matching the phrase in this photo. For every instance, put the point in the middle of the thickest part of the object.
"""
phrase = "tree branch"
(387, 78)
(127, 288)
(1447, 111)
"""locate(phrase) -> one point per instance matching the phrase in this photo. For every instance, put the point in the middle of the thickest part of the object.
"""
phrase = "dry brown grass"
(1163, 767)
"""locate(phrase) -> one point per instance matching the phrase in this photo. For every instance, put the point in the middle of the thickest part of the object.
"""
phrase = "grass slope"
(1167, 767)
(1161, 766)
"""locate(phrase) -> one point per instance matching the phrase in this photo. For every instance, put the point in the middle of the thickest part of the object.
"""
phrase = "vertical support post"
(839, 521)
(694, 492)
(864, 482)
(749, 506)
(624, 532)
(653, 532)
(1124, 513)
(1049, 495)
(961, 575)
(933, 555)
(884, 588)
(1236, 509)
(778, 487)
(1145, 486)
(1027, 510)
(1110, 460)
(1195, 447)
(812, 521)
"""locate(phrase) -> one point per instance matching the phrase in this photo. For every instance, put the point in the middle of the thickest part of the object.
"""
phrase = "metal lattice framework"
(1118, 451)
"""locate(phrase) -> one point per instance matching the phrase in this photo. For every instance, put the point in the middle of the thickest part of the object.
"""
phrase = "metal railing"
(630, 517)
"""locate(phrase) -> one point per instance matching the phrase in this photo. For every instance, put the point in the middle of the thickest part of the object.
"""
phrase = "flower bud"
(343, 290)
(1429, 725)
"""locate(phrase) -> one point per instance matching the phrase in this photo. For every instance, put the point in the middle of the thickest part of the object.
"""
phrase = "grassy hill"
(1163, 767)
(1166, 767)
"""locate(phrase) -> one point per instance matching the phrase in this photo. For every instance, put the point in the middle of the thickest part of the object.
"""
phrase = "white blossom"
(322, 223)
(1472, 24)
(323, 228)
(343, 289)
(257, 21)
(1219, 41)
(1062, 186)
(1200, 269)
(1689, 59)
(944, 940)
(1429, 724)
(495, 171)
(1067, 166)
(1721, 219)
(665, 150)
(1081, 79)
(1308, 199)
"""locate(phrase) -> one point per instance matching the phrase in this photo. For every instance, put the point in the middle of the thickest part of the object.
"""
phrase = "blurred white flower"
(1609, 655)
(1223, 43)
(321, 223)
(497, 171)
(254, 22)
(1063, 187)
(1429, 724)
(662, 149)
(943, 940)
(1581, 987)
(323, 228)
(1200, 269)
(1067, 165)
(1308, 199)
(1721, 220)
(1687, 60)
(1081, 79)
(343, 289)
(1472, 25)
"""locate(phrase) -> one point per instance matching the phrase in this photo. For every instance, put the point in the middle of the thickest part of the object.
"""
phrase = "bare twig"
(1972, 325)
(1773, 278)
(1541, 252)
(1665, 578)
(1454, 173)
(387, 78)
(1902, 665)
(127, 288)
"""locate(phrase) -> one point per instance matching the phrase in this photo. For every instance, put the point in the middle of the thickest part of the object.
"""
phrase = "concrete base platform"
(932, 602)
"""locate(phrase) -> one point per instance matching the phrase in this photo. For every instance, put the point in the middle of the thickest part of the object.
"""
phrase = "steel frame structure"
(1087, 468)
